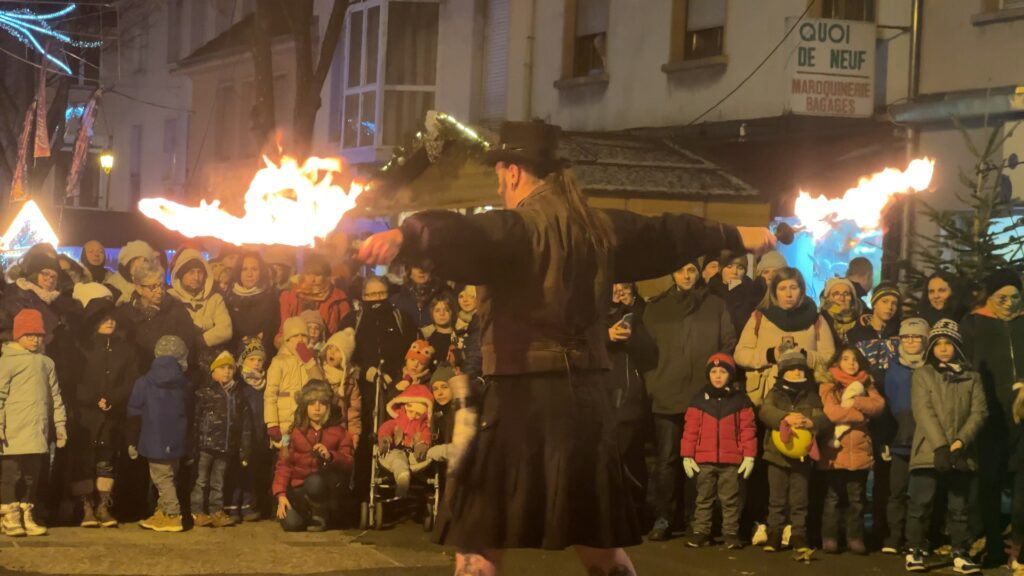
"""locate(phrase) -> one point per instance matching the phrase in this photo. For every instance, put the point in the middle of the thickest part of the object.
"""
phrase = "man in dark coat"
(544, 470)
(151, 314)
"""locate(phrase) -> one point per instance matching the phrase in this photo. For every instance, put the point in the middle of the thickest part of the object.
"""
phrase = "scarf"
(980, 311)
(947, 367)
(98, 273)
(912, 361)
(795, 319)
(257, 380)
(308, 293)
(238, 290)
(466, 317)
(842, 320)
(712, 393)
(334, 376)
(47, 296)
(228, 387)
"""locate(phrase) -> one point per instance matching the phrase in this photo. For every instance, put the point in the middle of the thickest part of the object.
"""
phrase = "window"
(495, 77)
(174, 20)
(590, 38)
(141, 48)
(135, 164)
(705, 29)
(225, 106)
(170, 159)
(387, 92)
(198, 27)
(863, 10)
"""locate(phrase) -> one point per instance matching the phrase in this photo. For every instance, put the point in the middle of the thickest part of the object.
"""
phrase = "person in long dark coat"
(544, 470)
(253, 304)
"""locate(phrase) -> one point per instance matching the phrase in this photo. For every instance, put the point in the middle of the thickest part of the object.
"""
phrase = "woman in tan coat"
(786, 319)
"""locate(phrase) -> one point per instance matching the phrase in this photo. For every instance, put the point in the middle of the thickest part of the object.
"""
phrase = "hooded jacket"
(855, 449)
(161, 400)
(782, 399)
(30, 400)
(285, 378)
(207, 309)
(720, 428)
(299, 460)
(947, 407)
(404, 432)
(223, 423)
(685, 330)
(345, 383)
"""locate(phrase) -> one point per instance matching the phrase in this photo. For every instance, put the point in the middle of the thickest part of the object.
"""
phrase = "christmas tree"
(987, 234)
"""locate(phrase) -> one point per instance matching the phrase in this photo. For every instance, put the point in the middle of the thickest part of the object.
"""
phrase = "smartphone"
(627, 320)
(788, 343)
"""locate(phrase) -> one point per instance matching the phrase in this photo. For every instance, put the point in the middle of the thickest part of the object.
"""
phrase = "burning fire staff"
(539, 466)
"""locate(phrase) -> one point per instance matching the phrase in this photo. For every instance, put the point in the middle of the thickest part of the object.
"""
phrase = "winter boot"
(103, 515)
(31, 528)
(221, 520)
(88, 514)
(11, 521)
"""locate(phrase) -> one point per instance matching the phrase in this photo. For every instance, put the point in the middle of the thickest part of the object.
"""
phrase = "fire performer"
(541, 469)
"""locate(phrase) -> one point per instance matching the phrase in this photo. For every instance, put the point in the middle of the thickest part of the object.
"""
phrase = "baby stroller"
(384, 507)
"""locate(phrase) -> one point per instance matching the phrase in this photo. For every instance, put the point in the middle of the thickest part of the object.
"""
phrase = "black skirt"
(543, 471)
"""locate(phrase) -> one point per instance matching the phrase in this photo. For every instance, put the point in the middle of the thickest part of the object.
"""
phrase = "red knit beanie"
(29, 321)
(722, 360)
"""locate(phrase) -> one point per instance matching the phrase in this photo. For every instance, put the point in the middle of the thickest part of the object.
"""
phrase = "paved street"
(262, 548)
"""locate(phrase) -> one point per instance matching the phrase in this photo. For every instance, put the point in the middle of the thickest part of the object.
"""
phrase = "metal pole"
(913, 89)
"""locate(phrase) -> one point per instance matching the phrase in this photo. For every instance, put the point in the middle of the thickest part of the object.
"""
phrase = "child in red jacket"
(313, 466)
(405, 438)
(718, 447)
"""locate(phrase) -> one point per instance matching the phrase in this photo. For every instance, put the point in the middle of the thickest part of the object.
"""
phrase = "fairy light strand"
(32, 29)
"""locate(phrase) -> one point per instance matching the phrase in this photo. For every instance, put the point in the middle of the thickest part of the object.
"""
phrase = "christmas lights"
(32, 29)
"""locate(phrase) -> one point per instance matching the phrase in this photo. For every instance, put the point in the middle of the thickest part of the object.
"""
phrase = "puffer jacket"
(223, 423)
(30, 400)
(947, 407)
(760, 336)
(782, 399)
(720, 428)
(855, 449)
(298, 461)
(405, 432)
(332, 309)
(285, 377)
(161, 399)
(207, 309)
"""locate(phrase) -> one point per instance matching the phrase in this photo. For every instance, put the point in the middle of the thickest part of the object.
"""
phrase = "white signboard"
(832, 68)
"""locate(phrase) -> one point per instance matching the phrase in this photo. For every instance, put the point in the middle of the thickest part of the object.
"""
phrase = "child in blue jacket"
(159, 408)
(910, 355)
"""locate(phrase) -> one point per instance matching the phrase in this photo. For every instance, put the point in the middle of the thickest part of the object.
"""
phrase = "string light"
(30, 28)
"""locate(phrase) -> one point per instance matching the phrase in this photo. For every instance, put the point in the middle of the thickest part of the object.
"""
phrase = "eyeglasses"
(1004, 300)
(841, 296)
(375, 295)
(911, 338)
(151, 287)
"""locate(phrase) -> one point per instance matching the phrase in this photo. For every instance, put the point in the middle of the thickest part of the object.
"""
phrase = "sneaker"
(699, 541)
(170, 523)
(733, 541)
(221, 520)
(202, 520)
(787, 533)
(10, 524)
(31, 528)
(857, 546)
(914, 562)
(760, 537)
(829, 545)
(962, 564)
(250, 514)
(660, 532)
(153, 521)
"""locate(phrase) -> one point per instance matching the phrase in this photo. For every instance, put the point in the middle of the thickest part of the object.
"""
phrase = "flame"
(31, 221)
(286, 204)
(865, 203)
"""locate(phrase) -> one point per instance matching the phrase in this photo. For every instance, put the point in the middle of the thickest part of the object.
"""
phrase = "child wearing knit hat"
(29, 402)
(910, 355)
(719, 445)
(950, 409)
(252, 376)
(223, 431)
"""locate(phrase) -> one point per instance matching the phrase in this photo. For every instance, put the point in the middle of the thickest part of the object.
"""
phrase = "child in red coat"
(405, 438)
(312, 467)
(718, 447)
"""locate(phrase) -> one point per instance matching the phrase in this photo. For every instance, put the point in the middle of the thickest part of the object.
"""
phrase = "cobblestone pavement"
(262, 548)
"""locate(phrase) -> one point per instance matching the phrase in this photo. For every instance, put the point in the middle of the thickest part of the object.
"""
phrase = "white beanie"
(136, 249)
(771, 261)
(86, 292)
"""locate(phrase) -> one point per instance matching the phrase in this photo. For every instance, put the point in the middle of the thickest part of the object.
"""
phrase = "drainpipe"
(913, 89)
(528, 64)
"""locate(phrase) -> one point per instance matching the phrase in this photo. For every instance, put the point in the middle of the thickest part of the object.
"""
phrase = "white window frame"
(360, 154)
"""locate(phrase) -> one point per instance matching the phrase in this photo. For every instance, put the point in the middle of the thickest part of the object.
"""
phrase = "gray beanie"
(771, 260)
(915, 327)
(792, 359)
(172, 346)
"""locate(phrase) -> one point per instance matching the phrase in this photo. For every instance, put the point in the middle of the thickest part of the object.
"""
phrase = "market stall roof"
(607, 165)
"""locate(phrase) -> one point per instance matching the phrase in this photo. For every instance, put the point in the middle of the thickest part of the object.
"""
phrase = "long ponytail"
(599, 229)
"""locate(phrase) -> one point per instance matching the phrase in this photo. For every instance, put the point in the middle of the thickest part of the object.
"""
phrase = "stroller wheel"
(428, 516)
(378, 516)
(364, 516)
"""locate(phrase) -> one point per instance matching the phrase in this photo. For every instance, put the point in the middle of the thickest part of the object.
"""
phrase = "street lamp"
(107, 161)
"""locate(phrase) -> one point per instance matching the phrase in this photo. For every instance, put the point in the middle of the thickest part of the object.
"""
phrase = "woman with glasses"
(841, 308)
(994, 345)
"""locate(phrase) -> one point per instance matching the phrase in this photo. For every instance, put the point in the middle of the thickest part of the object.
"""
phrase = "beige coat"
(755, 342)
(285, 378)
(208, 311)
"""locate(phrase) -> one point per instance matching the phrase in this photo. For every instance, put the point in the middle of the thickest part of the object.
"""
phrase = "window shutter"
(495, 59)
(705, 14)
(591, 17)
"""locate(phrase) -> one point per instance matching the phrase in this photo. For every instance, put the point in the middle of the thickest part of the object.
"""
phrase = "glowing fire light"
(864, 203)
(286, 204)
(29, 228)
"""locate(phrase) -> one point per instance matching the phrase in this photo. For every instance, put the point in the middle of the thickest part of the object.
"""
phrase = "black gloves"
(943, 459)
